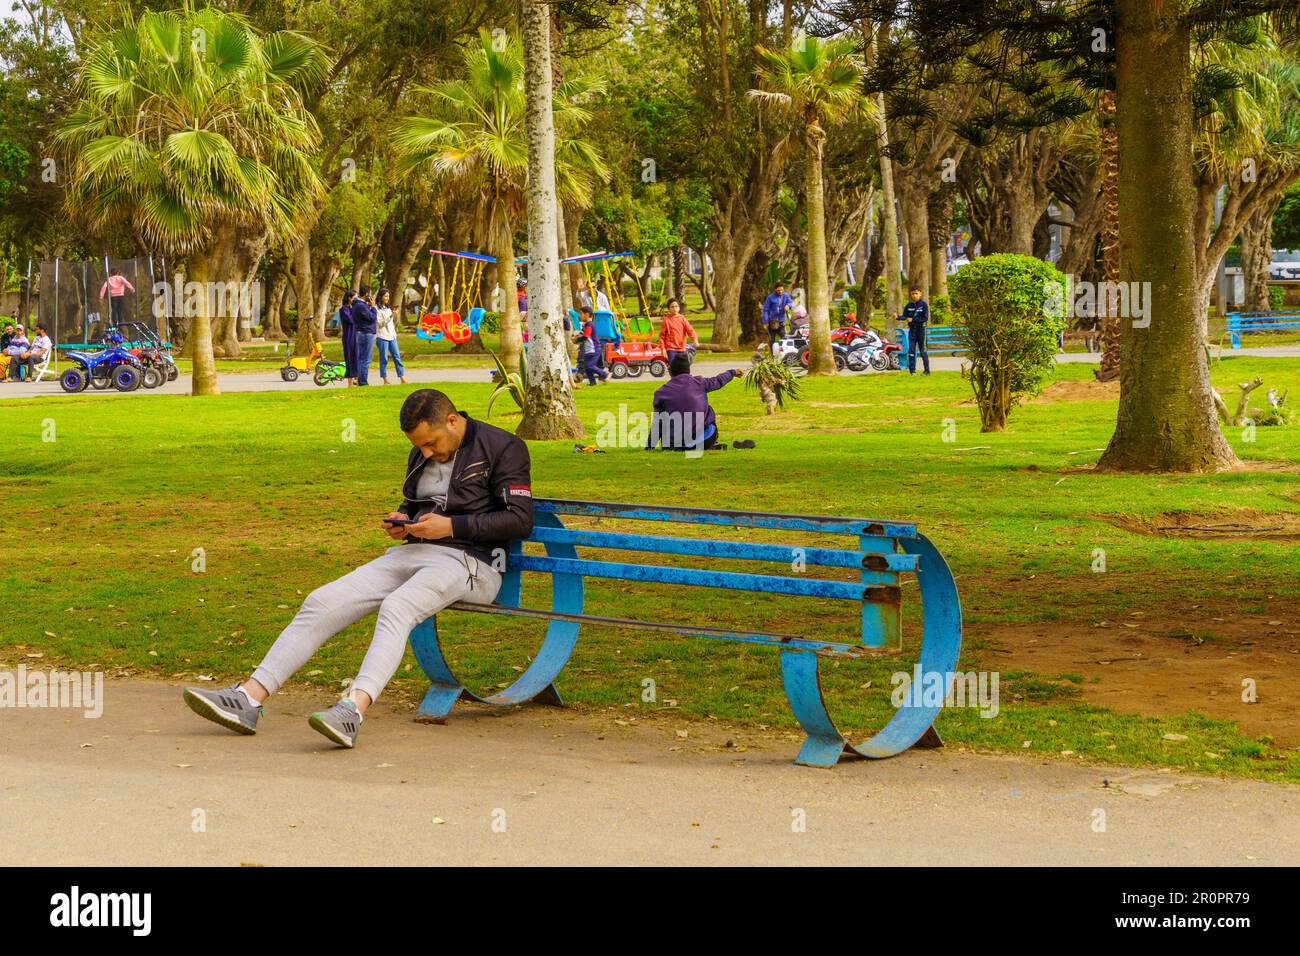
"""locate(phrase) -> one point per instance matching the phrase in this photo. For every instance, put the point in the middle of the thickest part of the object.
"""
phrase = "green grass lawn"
(104, 519)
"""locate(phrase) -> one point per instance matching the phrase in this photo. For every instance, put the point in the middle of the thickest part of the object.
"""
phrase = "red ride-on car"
(629, 359)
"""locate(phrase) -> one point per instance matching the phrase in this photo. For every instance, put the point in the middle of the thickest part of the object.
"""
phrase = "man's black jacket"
(489, 497)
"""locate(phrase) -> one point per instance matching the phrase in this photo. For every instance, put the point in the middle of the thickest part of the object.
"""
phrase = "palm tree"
(190, 130)
(475, 136)
(548, 404)
(820, 81)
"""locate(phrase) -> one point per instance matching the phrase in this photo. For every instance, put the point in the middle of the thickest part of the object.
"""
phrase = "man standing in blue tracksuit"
(917, 314)
(775, 307)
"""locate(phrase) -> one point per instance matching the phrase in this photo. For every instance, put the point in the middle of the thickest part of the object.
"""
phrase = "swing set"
(614, 324)
(466, 276)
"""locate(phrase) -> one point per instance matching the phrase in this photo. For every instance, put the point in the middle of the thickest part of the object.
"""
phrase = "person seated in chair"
(683, 420)
(17, 347)
(40, 348)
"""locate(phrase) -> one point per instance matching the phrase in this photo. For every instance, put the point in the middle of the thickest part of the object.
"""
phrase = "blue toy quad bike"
(113, 366)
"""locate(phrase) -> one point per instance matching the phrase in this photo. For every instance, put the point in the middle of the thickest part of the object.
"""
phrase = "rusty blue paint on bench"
(884, 551)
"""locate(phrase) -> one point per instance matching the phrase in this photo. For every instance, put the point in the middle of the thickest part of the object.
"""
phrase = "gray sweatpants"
(406, 584)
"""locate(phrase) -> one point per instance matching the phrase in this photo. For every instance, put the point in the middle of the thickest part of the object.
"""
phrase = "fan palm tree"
(190, 129)
(474, 134)
(820, 81)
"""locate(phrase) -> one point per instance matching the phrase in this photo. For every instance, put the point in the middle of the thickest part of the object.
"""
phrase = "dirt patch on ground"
(1243, 524)
(1084, 390)
(1155, 663)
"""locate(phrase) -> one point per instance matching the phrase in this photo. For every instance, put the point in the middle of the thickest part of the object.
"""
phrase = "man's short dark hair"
(915, 288)
(680, 365)
(426, 405)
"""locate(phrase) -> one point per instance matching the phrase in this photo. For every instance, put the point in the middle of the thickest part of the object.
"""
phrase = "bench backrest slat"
(715, 516)
(713, 548)
(663, 574)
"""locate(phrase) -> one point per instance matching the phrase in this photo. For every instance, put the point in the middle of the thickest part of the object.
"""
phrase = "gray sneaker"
(340, 723)
(227, 707)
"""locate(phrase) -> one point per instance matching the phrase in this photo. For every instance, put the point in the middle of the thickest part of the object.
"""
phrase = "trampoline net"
(72, 308)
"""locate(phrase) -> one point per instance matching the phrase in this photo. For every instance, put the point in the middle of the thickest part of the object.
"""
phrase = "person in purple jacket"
(683, 420)
(348, 333)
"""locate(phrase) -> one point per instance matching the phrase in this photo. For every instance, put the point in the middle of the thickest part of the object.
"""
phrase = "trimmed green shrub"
(1011, 316)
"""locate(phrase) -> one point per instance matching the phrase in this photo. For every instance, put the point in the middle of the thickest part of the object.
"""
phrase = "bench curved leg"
(445, 689)
(825, 744)
(911, 725)
(940, 647)
(537, 682)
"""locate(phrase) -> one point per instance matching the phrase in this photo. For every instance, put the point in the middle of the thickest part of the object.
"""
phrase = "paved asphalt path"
(541, 785)
(271, 381)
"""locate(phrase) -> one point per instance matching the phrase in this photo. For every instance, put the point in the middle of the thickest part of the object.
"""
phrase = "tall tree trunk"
(1256, 254)
(305, 298)
(1108, 142)
(940, 222)
(821, 360)
(512, 340)
(548, 400)
(894, 295)
(203, 377)
(1167, 418)
(752, 294)
(916, 223)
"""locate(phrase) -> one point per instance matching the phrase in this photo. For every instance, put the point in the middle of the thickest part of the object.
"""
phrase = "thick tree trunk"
(1167, 418)
(548, 399)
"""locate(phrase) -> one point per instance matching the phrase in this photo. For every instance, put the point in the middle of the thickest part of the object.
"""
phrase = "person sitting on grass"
(468, 494)
(683, 420)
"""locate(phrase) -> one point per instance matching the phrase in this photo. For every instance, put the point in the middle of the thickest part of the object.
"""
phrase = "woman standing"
(348, 332)
(386, 339)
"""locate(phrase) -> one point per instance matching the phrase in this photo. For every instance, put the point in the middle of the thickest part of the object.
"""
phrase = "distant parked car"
(1285, 265)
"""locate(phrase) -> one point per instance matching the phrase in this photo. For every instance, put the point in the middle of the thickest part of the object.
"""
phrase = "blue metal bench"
(939, 340)
(1239, 323)
(882, 551)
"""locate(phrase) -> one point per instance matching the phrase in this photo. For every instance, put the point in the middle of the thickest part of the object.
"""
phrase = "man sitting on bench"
(467, 494)
(683, 420)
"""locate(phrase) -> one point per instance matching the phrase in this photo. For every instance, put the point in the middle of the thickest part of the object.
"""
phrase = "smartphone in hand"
(397, 522)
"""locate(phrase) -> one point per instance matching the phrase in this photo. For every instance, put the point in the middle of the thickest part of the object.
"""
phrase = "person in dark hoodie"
(348, 333)
(467, 495)
(683, 420)
(364, 320)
